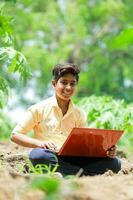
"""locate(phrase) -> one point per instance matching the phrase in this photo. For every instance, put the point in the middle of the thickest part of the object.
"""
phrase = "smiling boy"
(52, 120)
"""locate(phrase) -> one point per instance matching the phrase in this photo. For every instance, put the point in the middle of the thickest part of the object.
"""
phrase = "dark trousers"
(70, 165)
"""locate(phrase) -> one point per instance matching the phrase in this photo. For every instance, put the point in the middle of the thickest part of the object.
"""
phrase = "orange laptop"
(89, 142)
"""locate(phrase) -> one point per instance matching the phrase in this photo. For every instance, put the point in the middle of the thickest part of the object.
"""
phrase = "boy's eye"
(73, 84)
(66, 83)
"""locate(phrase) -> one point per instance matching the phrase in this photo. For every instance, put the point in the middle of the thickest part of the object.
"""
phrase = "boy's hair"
(60, 70)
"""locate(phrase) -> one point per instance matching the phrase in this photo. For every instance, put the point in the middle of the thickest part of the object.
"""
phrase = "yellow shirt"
(48, 122)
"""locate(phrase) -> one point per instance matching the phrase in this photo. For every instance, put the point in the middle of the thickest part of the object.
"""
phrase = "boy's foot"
(57, 175)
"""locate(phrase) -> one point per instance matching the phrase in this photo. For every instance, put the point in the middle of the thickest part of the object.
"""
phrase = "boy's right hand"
(47, 145)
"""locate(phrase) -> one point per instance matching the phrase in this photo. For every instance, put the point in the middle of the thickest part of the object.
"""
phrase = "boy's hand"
(47, 145)
(111, 152)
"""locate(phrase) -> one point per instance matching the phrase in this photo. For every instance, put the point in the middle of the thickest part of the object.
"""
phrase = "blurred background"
(97, 35)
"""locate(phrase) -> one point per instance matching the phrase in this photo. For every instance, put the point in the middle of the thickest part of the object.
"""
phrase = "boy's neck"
(63, 105)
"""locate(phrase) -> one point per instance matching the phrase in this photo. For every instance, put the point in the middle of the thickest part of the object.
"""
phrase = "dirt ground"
(14, 179)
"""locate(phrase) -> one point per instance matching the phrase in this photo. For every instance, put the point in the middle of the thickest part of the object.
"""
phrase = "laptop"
(89, 142)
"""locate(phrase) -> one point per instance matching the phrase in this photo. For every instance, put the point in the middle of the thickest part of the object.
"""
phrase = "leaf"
(105, 112)
(12, 66)
(49, 185)
(123, 40)
(4, 87)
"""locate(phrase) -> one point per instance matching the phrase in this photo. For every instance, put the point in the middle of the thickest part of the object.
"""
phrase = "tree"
(92, 34)
(11, 59)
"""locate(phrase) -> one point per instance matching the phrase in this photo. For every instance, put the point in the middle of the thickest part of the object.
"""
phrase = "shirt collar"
(55, 104)
(54, 101)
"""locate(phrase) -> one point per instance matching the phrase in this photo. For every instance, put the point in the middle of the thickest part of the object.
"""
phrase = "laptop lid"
(89, 142)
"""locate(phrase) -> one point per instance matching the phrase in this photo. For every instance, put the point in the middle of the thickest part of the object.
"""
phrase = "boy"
(52, 121)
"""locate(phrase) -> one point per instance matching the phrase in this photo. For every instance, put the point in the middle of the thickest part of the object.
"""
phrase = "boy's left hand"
(111, 152)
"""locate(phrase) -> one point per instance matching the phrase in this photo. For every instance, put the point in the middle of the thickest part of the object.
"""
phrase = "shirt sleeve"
(28, 122)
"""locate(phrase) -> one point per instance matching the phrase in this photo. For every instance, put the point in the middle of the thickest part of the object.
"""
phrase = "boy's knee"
(116, 165)
(42, 156)
(36, 153)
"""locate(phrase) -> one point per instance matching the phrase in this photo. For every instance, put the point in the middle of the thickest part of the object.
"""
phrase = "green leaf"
(12, 66)
(123, 40)
(49, 185)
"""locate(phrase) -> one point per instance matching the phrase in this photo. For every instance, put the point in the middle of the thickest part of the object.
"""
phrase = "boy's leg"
(43, 156)
(93, 166)
(71, 165)
(101, 165)
(66, 167)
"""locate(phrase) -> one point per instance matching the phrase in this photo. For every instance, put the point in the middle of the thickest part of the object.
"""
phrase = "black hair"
(60, 70)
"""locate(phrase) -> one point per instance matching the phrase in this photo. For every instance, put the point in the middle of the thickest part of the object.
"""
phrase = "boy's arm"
(19, 133)
(22, 128)
(26, 141)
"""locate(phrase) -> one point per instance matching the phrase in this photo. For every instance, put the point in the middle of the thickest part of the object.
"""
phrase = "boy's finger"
(52, 143)
(113, 148)
(111, 154)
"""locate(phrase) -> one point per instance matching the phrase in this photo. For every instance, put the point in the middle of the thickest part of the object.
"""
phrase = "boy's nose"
(68, 87)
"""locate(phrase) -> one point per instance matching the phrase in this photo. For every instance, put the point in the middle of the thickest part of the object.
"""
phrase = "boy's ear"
(53, 83)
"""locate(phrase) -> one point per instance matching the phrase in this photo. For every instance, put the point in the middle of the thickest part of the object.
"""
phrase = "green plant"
(4, 92)
(15, 61)
(6, 126)
(108, 113)
(43, 168)
(48, 185)
(11, 60)
(101, 28)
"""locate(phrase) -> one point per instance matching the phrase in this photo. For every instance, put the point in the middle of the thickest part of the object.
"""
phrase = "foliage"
(15, 61)
(108, 113)
(4, 92)
(51, 184)
(6, 30)
(45, 182)
(5, 127)
(41, 168)
(10, 58)
(97, 35)
(48, 185)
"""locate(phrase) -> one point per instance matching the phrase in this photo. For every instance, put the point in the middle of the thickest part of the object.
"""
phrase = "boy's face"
(65, 87)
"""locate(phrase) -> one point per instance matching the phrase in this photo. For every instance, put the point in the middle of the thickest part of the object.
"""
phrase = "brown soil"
(15, 178)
